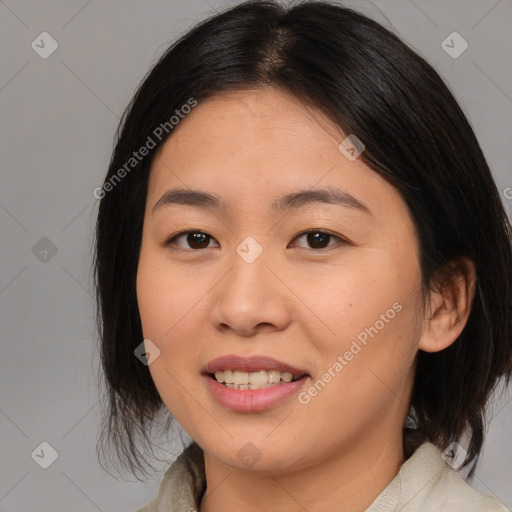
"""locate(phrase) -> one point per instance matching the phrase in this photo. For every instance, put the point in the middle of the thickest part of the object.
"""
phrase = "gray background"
(58, 119)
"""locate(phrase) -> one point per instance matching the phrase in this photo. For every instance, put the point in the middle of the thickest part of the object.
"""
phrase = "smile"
(261, 379)
(251, 384)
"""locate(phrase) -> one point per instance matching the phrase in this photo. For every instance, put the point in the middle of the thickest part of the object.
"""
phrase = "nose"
(250, 299)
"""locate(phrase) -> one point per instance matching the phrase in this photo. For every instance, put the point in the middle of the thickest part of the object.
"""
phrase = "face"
(328, 289)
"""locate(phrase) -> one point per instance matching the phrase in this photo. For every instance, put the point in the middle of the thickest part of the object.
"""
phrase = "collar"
(425, 482)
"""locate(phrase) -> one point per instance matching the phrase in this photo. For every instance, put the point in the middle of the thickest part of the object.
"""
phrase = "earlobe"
(449, 306)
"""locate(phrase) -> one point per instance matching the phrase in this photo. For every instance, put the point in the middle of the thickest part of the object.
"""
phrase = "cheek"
(165, 296)
(170, 308)
(172, 371)
(375, 294)
(366, 375)
(374, 314)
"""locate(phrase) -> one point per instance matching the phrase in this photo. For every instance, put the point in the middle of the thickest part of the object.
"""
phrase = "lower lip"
(250, 400)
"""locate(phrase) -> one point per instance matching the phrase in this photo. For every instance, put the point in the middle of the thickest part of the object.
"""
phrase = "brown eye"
(194, 240)
(317, 239)
(198, 240)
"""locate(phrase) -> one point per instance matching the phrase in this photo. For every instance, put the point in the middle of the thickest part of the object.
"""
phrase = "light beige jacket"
(425, 483)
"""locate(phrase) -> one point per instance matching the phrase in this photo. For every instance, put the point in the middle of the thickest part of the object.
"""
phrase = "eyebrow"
(298, 199)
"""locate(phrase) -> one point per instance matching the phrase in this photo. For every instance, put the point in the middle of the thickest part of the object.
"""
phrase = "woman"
(302, 256)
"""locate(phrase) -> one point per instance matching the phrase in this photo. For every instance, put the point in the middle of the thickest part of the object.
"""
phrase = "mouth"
(252, 383)
(259, 379)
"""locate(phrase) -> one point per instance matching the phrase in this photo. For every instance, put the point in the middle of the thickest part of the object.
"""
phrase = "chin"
(253, 453)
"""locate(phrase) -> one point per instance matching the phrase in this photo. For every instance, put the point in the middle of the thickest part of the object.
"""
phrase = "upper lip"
(251, 364)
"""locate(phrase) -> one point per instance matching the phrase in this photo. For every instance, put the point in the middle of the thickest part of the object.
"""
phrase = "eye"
(195, 239)
(318, 239)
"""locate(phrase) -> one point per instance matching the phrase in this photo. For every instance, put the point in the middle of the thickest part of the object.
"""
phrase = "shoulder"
(183, 483)
(426, 483)
(454, 494)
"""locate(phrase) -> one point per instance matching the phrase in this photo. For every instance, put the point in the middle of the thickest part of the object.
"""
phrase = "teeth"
(286, 376)
(258, 377)
(274, 376)
(261, 379)
(240, 378)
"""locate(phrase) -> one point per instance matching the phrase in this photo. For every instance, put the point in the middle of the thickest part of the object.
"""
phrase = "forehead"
(271, 116)
(247, 146)
(254, 126)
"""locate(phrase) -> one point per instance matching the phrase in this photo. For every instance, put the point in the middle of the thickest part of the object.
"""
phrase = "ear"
(448, 306)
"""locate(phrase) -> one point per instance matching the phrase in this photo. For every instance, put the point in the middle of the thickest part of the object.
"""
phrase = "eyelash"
(341, 241)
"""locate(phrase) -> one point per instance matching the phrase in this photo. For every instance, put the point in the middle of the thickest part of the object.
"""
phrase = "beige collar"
(424, 483)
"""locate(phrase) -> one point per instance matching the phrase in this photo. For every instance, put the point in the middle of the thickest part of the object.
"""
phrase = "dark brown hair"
(372, 85)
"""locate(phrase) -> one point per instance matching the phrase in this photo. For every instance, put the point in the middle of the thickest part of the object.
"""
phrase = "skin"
(297, 303)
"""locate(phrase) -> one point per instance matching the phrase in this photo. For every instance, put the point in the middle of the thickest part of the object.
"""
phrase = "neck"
(348, 480)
